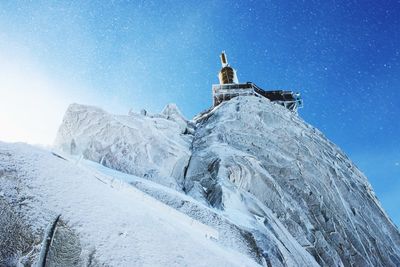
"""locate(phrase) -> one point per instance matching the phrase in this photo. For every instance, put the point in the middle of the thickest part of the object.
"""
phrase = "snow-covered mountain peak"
(151, 146)
(172, 110)
(251, 148)
(249, 175)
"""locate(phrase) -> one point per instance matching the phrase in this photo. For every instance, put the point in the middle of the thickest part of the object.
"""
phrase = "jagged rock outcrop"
(258, 183)
(155, 146)
(103, 221)
(251, 146)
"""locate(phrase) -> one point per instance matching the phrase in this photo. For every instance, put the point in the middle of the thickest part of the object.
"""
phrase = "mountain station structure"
(230, 87)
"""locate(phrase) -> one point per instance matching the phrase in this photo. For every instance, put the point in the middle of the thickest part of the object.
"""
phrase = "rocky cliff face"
(261, 184)
(250, 148)
(151, 146)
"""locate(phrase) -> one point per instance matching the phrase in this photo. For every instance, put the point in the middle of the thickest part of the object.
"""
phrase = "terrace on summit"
(230, 87)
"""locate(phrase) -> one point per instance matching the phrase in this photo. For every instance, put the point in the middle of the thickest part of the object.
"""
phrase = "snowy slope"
(153, 146)
(245, 183)
(250, 146)
(108, 222)
(243, 237)
(95, 134)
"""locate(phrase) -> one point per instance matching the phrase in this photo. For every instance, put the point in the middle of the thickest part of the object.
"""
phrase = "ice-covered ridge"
(238, 233)
(116, 182)
(104, 221)
(249, 145)
(155, 146)
(276, 190)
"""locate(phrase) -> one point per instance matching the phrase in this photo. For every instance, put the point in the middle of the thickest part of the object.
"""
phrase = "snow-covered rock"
(251, 148)
(245, 183)
(152, 146)
(103, 221)
(172, 112)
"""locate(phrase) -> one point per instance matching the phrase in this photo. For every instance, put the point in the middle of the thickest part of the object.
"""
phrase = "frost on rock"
(155, 147)
(172, 112)
(249, 146)
(246, 183)
(103, 222)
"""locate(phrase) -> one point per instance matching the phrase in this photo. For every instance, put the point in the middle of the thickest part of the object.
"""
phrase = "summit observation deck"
(224, 92)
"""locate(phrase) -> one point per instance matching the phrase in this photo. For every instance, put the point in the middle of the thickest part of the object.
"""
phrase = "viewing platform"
(224, 92)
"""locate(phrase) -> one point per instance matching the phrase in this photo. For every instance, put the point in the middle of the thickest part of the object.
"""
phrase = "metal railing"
(222, 92)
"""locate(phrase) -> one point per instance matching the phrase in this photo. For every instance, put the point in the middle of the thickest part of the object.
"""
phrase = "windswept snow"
(144, 145)
(250, 146)
(245, 183)
(116, 224)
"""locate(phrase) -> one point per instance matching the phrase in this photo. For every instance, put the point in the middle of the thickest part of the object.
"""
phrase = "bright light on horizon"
(31, 103)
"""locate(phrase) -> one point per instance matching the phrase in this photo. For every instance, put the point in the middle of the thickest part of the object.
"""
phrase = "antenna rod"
(224, 60)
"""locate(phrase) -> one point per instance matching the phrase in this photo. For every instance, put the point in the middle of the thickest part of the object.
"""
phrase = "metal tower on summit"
(227, 74)
(230, 87)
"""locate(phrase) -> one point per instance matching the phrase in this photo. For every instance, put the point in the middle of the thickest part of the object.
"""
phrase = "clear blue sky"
(343, 56)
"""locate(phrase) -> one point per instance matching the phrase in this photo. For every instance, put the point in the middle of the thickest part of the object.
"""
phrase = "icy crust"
(151, 146)
(103, 221)
(172, 112)
(270, 246)
(249, 174)
(229, 235)
(249, 149)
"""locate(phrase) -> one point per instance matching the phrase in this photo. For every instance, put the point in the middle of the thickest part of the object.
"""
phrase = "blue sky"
(343, 56)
